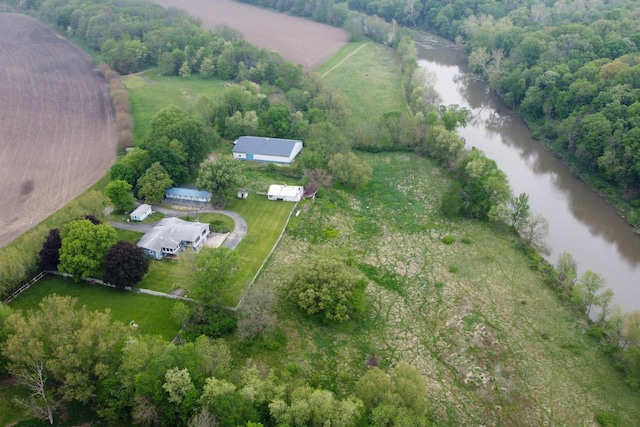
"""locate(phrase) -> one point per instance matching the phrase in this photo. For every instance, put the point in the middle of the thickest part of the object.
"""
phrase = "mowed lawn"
(152, 314)
(150, 92)
(369, 78)
(265, 221)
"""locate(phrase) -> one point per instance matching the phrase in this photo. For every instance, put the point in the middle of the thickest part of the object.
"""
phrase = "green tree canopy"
(84, 246)
(119, 192)
(326, 287)
(350, 170)
(221, 178)
(153, 184)
(173, 123)
(61, 351)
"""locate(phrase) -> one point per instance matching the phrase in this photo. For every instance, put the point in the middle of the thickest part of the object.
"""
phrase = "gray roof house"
(272, 150)
(172, 235)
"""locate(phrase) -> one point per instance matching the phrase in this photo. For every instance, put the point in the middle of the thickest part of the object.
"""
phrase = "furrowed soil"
(298, 40)
(57, 129)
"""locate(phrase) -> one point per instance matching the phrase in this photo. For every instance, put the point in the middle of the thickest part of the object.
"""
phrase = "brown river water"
(580, 221)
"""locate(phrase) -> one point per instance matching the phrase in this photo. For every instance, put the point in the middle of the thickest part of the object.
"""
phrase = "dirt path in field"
(57, 131)
(341, 62)
(298, 40)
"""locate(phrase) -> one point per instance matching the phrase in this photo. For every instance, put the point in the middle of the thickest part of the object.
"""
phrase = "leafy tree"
(123, 171)
(119, 192)
(125, 264)
(350, 170)
(397, 399)
(276, 122)
(327, 288)
(173, 123)
(60, 352)
(480, 187)
(567, 270)
(585, 292)
(84, 246)
(214, 269)
(316, 408)
(153, 184)
(221, 178)
(257, 313)
(50, 252)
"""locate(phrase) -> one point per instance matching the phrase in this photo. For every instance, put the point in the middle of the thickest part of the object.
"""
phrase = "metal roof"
(176, 191)
(265, 146)
(169, 232)
(140, 209)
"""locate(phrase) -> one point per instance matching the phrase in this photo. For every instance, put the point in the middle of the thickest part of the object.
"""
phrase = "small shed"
(288, 193)
(271, 150)
(141, 212)
(187, 195)
(243, 194)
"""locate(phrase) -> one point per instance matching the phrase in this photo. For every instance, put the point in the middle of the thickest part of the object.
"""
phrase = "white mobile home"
(271, 150)
(141, 212)
(288, 193)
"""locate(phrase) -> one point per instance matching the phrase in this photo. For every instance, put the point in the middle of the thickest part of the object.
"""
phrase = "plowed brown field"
(57, 129)
(298, 40)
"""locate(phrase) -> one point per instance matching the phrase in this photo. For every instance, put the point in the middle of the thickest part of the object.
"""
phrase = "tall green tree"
(221, 178)
(61, 352)
(153, 183)
(84, 246)
(174, 123)
(214, 269)
(119, 192)
(350, 170)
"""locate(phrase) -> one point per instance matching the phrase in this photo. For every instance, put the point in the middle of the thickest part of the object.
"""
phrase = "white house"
(288, 193)
(141, 212)
(172, 235)
(271, 150)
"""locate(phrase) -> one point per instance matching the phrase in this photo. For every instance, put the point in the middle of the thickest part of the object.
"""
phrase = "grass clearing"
(265, 221)
(152, 314)
(372, 73)
(9, 411)
(129, 236)
(150, 92)
(167, 275)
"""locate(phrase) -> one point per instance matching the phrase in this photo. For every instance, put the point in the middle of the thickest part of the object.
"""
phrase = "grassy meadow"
(368, 77)
(494, 343)
(150, 92)
(152, 314)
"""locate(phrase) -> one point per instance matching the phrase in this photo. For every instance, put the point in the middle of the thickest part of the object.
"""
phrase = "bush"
(217, 323)
(326, 287)
(448, 240)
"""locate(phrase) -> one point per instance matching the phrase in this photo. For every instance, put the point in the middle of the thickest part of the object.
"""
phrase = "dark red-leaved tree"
(50, 252)
(125, 264)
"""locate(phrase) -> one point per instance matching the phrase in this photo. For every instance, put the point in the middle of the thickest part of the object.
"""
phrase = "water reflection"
(580, 221)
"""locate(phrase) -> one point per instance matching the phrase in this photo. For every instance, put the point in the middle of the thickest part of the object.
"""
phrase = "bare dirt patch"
(57, 135)
(298, 40)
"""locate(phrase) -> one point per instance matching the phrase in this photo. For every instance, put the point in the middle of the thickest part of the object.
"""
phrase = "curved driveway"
(232, 241)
